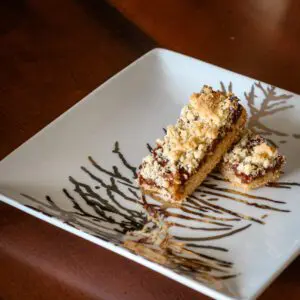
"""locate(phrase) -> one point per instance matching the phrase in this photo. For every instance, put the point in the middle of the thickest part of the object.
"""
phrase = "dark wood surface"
(52, 53)
(257, 38)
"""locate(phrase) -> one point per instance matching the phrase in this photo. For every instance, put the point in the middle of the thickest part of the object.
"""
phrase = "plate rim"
(118, 249)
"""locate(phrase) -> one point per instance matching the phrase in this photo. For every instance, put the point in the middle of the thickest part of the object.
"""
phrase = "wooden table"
(52, 53)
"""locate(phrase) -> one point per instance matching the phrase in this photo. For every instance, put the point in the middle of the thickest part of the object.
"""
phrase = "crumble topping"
(202, 121)
(210, 105)
(253, 156)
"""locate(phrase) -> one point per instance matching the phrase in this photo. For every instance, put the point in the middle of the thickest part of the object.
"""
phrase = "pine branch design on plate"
(110, 206)
(271, 103)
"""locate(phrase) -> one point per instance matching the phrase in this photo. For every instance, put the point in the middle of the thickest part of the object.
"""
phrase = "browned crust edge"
(270, 176)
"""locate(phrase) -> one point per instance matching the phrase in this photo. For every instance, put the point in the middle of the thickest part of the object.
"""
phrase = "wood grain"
(53, 53)
(257, 38)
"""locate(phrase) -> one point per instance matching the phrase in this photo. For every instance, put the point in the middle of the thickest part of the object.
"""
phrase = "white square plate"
(69, 176)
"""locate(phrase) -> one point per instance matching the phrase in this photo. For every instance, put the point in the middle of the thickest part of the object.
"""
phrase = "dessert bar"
(252, 162)
(208, 126)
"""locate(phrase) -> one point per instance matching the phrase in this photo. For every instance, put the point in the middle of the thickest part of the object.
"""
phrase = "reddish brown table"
(52, 53)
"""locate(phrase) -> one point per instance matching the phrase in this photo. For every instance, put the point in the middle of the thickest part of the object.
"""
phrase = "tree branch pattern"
(109, 205)
(271, 103)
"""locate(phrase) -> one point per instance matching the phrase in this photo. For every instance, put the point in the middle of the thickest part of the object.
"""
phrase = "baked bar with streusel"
(252, 162)
(208, 126)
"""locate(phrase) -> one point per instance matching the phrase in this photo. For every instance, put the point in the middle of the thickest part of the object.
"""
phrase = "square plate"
(78, 174)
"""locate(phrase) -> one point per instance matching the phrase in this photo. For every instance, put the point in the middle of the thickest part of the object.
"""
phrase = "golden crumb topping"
(253, 155)
(209, 104)
(202, 121)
